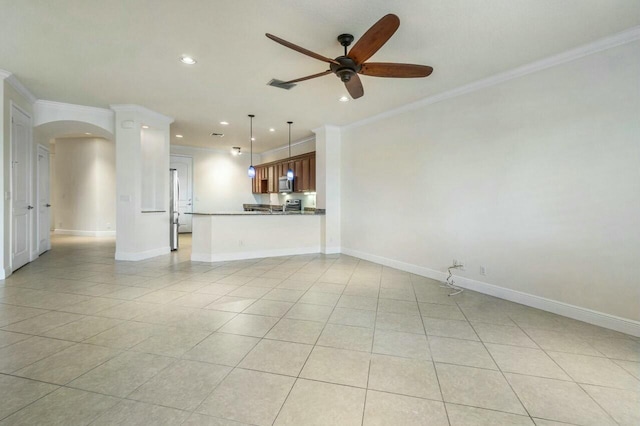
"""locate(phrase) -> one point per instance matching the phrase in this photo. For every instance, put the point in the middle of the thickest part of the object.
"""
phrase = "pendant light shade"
(252, 170)
(290, 171)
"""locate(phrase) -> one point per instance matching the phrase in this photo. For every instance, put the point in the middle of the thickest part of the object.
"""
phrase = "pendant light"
(252, 170)
(289, 172)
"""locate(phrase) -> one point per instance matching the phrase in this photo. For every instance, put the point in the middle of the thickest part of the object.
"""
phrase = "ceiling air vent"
(280, 84)
(217, 134)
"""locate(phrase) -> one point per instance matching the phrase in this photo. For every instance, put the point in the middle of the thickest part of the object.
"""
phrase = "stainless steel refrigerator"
(174, 197)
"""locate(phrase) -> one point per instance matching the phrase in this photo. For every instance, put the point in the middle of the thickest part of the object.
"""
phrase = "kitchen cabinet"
(304, 172)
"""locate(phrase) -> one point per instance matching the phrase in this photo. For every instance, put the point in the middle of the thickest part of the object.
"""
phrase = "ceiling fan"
(348, 66)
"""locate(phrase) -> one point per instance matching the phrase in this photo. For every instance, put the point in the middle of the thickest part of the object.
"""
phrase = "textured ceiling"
(106, 52)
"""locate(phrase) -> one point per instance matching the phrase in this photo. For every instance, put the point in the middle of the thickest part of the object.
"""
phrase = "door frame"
(37, 223)
(12, 107)
(192, 173)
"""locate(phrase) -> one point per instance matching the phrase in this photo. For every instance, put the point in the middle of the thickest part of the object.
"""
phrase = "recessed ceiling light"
(344, 99)
(144, 126)
(253, 139)
(87, 133)
(272, 129)
(187, 60)
(179, 136)
(224, 123)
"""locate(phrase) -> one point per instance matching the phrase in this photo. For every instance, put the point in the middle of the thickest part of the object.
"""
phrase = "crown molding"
(300, 142)
(142, 110)
(605, 43)
(17, 85)
(74, 107)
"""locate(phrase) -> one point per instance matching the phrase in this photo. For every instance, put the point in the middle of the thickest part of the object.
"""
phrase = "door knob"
(47, 205)
(29, 207)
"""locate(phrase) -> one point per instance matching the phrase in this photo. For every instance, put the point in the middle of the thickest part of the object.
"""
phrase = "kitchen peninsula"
(248, 235)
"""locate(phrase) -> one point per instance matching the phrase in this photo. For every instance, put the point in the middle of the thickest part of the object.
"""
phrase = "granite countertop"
(317, 212)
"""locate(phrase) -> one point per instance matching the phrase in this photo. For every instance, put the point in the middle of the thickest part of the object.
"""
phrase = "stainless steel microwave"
(284, 184)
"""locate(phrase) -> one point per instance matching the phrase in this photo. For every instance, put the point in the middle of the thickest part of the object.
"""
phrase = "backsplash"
(307, 200)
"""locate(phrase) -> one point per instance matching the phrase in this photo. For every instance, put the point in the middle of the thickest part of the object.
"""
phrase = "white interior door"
(20, 183)
(44, 200)
(184, 166)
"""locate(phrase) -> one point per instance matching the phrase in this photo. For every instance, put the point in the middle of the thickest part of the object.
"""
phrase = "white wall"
(83, 185)
(220, 181)
(537, 179)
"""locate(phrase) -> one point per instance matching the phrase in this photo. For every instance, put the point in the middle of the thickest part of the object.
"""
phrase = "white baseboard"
(208, 257)
(33, 255)
(590, 316)
(134, 257)
(331, 250)
(5, 272)
(84, 233)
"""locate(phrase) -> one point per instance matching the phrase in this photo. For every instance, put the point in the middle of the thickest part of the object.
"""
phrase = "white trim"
(579, 313)
(75, 108)
(18, 86)
(142, 110)
(331, 250)
(84, 233)
(143, 254)
(5, 272)
(300, 142)
(605, 43)
(209, 257)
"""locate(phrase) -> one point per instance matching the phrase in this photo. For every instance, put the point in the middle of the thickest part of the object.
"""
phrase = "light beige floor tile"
(249, 292)
(67, 364)
(503, 334)
(195, 300)
(231, 304)
(488, 313)
(168, 315)
(248, 396)
(161, 296)
(433, 310)
(9, 338)
(125, 335)
(92, 306)
(595, 371)
(622, 349)
(319, 298)
(388, 409)
(187, 286)
(558, 400)
(133, 413)
(128, 293)
(317, 404)
(11, 314)
(398, 294)
(477, 387)
(347, 337)
(337, 366)
(461, 415)
(401, 344)
(296, 284)
(16, 393)
(87, 327)
(171, 341)
(283, 295)
(630, 367)
(622, 405)
(62, 407)
(529, 361)
(249, 325)
(305, 311)
(42, 323)
(362, 290)
(561, 342)
(122, 374)
(203, 420)
(224, 349)
(273, 356)
(206, 319)
(271, 308)
(299, 331)
(405, 376)
(399, 322)
(354, 317)
(128, 310)
(398, 307)
(21, 354)
(461, 352)
(449, 328)
(183, 385)
(265, 282)
(217, 289)
(358, 302)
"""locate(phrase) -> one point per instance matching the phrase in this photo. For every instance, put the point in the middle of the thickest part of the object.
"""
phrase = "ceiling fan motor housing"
(346, 69)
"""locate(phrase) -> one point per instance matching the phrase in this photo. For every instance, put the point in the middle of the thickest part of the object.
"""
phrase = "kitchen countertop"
(260, 213)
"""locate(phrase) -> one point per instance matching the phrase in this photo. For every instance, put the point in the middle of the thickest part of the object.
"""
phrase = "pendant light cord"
(251, 135)
(289, 123)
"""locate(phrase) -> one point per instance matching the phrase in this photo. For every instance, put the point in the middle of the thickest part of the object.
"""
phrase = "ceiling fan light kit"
(353, 62)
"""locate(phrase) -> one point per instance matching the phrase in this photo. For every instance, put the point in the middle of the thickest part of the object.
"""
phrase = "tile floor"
(300, 340)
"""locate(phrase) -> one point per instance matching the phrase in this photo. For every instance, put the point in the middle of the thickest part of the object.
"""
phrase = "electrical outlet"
(460, 263)
(483, 270)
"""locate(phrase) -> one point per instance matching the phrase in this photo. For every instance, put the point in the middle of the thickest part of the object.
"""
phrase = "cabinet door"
(272, 179)
(304, 182)
(312, 173)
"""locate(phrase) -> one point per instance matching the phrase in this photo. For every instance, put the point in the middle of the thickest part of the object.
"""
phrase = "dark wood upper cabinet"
(304, 172)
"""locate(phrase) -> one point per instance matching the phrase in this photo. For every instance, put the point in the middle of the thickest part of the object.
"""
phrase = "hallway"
(296, 340)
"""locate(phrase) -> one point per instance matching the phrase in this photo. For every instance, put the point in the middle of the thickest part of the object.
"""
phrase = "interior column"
(328, 146)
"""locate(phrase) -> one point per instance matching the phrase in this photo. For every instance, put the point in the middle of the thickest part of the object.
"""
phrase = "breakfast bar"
(248, 235)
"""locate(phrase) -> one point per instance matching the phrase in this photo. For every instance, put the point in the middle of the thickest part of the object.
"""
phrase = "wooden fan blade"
(388, 69)
(354, 86)
(301, 49)
(309, 77)
(374, 38)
